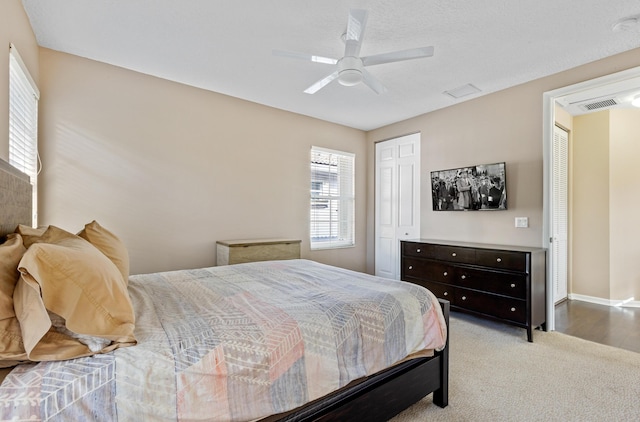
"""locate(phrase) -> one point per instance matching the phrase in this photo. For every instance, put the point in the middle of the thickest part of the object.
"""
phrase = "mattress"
(235, 343)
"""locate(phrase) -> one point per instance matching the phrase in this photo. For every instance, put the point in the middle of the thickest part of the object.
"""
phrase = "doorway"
(397, 200)
(596, 88)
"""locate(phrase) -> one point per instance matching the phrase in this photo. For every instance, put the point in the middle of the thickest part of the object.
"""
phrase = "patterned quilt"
(234, 343)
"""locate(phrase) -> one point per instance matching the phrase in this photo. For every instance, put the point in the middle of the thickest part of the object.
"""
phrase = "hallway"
(614, 326)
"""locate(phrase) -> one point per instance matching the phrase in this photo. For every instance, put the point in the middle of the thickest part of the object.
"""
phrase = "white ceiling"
(226, 46)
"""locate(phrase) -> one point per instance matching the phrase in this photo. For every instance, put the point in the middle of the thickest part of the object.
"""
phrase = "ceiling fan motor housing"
(350, 71)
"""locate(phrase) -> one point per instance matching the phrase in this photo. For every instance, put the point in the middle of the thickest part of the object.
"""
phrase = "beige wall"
(171, 168)
(624, 204)
(14, 29)
(503, 126)
(590, 198)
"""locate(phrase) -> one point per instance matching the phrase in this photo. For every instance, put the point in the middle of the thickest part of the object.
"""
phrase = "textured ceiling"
(226, 46)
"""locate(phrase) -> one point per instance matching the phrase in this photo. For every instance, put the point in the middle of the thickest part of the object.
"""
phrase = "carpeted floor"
(496, 375)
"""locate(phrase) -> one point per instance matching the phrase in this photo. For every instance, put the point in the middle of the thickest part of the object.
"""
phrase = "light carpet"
(496, 375)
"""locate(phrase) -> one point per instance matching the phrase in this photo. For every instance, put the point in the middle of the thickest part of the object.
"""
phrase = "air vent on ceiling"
(599, 104)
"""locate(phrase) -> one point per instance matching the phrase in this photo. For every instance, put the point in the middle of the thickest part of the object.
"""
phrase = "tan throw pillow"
(11, 347)
(64, 274)
(109, 244)
(29, 234)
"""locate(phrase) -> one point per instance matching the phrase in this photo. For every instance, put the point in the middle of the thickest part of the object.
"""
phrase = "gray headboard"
(15, 198)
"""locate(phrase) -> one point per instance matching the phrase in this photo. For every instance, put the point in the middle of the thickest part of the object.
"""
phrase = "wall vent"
(600, 104)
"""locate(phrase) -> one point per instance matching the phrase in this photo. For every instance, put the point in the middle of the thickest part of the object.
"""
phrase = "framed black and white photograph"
(473, 188)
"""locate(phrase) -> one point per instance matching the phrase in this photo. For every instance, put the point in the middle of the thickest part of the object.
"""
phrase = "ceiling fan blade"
(304, 56)
(321, 83)
(372, 82)
(398, 56)
(355, 32)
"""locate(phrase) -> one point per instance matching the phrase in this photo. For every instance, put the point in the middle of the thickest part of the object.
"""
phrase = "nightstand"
(239, 251)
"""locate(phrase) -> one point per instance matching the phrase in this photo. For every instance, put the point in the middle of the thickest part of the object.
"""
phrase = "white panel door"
(397, 203)
(559, 223)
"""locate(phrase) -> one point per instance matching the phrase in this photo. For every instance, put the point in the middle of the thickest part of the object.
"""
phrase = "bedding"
(63, 275)
(236, 342)
(109, 244)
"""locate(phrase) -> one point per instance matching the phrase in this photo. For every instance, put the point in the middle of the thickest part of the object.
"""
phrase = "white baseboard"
(628, 303)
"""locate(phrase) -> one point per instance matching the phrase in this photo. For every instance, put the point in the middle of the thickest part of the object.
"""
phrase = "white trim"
(14, 52)
(627, 303)
(548, 120)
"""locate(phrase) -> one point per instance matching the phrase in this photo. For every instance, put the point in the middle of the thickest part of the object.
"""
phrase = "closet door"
(397, 200)
(560, 212)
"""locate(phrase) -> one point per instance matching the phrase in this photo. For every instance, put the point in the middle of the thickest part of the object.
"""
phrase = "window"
(23, 122)
(332, 199)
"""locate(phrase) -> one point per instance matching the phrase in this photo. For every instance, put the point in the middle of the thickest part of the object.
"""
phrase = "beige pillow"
(29, 234)
(109, 244)
(11, 347)
(64, 274)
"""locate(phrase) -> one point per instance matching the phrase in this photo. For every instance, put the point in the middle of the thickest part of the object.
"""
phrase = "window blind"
(23, 122)
(332, 199)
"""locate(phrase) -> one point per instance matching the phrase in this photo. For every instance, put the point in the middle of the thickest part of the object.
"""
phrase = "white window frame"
(332, 199)
(23, 123)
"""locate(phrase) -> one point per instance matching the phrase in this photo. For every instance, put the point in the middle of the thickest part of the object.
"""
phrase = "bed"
(278, 340)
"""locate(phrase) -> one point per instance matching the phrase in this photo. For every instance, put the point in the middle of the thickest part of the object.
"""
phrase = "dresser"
(505, 283)
(240, 251)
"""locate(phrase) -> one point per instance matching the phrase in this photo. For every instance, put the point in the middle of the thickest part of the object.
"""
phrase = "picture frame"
(481, 187)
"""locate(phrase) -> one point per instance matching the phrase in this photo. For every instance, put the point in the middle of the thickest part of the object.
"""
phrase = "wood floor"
(618, 327)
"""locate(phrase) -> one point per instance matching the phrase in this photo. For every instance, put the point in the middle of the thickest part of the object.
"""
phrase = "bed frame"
(377, 398)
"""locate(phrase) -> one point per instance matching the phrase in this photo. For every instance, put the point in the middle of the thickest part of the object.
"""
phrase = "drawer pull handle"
(513, 309)
(463, 277)
(445, 274)
(464, 298)
(499, 260)
(411, 267)
(446, 293)
(454, 254)
(513, 285)
(418, 250)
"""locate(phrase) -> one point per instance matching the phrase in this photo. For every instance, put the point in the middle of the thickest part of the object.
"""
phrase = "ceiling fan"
(351, 67)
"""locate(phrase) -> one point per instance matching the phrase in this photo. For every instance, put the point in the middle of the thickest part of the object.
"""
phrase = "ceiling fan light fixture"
(350, 77)
(351, 67)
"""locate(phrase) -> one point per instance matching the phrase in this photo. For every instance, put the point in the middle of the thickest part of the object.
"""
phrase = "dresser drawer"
(455, 254)
(507, 260)
(507, 284)
(498, 306)
(421, 250)
(442, 291)
(428, 270)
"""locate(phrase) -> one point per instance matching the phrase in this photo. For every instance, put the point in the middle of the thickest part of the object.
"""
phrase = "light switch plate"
(522, 222)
